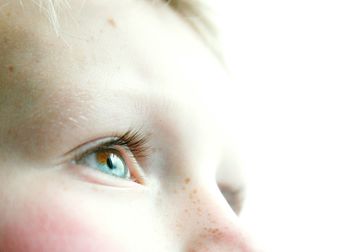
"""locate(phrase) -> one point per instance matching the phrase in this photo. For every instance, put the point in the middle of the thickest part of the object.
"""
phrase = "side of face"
(117, 66)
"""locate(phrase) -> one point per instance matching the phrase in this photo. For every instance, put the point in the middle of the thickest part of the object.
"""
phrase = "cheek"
(41, 228)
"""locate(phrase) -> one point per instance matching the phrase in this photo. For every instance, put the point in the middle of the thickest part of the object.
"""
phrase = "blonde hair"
(200, 15)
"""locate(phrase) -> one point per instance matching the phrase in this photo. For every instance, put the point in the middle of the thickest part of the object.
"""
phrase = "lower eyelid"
(93, 176)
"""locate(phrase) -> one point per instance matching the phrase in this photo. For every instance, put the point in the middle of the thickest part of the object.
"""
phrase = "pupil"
(110, 163)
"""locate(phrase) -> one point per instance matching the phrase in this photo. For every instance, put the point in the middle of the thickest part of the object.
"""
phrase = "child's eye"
(117, 156)
(109, 161)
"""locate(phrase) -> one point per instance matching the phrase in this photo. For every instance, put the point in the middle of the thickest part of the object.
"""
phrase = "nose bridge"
(210, 223)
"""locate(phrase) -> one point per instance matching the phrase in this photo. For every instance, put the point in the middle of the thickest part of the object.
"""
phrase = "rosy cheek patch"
(54, 231)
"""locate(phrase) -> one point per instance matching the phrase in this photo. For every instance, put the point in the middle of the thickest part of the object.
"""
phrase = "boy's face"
(117, 66)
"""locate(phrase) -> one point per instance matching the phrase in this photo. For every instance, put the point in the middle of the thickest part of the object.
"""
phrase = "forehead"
(126, 49)
(104, 40)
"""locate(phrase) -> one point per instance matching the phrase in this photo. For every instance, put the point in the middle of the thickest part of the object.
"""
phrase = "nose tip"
(220, 240)
(216, 228)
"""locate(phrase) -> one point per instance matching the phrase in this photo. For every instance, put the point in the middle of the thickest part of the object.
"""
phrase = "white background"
(291, 70)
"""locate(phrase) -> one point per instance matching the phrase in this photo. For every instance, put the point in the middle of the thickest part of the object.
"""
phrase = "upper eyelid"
(90, 147)
(134, 141)
(96, 147)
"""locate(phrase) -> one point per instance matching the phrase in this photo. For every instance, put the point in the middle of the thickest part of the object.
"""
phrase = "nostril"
(233, 196)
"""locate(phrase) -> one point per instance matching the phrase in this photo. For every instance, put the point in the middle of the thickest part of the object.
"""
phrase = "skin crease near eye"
(113, 68)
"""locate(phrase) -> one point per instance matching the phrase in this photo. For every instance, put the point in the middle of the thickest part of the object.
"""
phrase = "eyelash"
(134, 143)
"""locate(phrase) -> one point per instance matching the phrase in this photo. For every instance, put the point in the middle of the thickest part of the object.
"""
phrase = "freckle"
(111, 22)
(11, 68)
(187, 180)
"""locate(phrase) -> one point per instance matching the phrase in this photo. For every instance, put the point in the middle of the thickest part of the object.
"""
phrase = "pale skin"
(116, 66)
